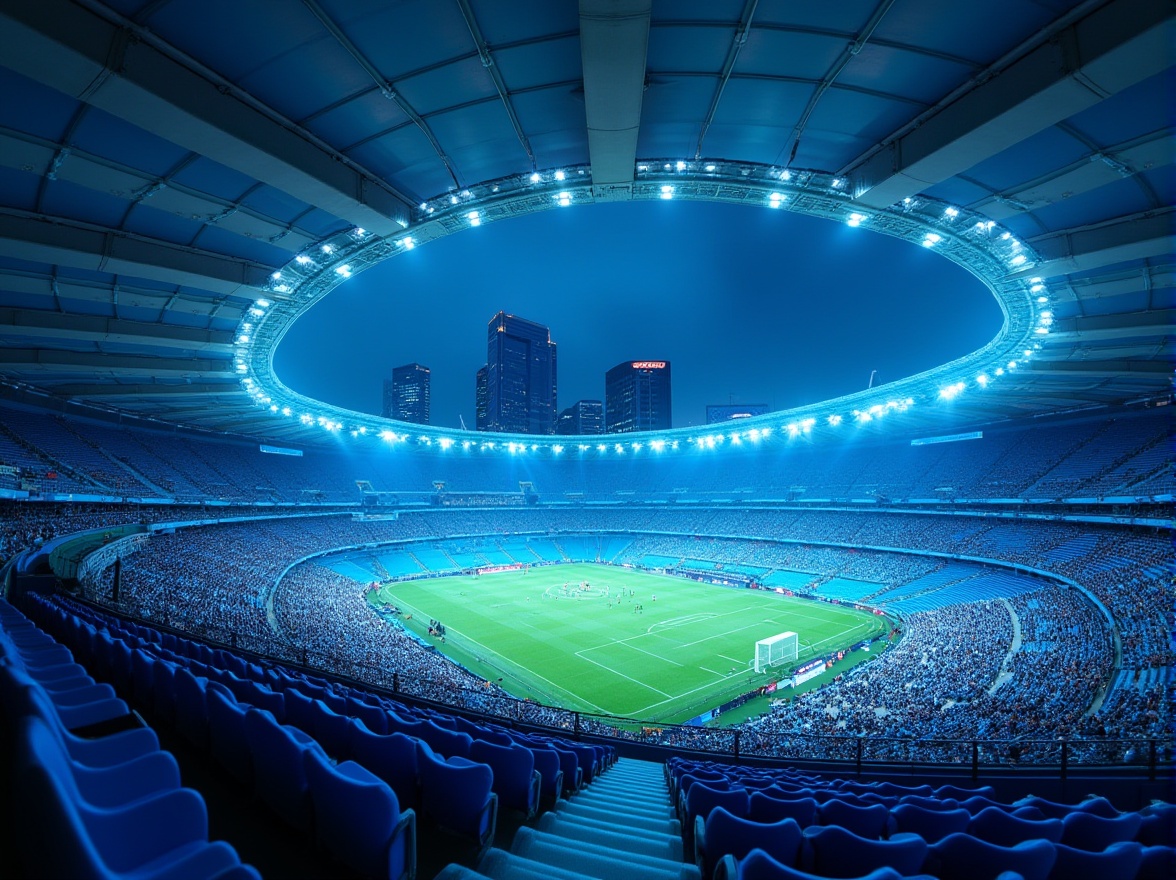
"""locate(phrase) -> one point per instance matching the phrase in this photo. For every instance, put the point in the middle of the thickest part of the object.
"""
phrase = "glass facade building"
(520, 376)
(637, 397)
(582, 417)
(406, 395)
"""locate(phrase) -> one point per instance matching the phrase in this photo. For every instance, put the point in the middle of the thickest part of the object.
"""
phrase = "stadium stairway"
(620, 827)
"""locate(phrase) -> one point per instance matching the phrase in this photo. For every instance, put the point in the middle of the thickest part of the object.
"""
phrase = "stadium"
(923, 629)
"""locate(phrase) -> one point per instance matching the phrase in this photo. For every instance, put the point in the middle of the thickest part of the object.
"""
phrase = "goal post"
(776, 650)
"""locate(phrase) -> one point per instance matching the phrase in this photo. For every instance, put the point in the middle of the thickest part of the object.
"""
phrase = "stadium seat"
(758, 865)
(721, 833)
(763, 808)
(547, 766)
(330, 730)
(1094, 833)
(456, 795)
(994, 825)
(873, 822)
(227, 740)
(516, 782)
(964, 857)
(279, 767)
(1157, 825)
(374, 718)
(931, 825)
(961, 794)
(1158, 863)
(191, 708)
(449, 743)
(63, 835)
(833, 851)
(357, 819)
(299, 710)
(1119, 861)
(1053, 810)
(701, 799)
(391, 757)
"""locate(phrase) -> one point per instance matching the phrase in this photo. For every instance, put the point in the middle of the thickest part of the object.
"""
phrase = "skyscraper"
(480, 398)
(582, 417)
(406, 396)
(520, 376)
(637, 397)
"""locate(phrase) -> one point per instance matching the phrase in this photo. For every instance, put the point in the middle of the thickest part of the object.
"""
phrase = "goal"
(776, 650)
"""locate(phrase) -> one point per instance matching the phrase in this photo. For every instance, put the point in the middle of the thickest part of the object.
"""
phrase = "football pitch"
(613, 648)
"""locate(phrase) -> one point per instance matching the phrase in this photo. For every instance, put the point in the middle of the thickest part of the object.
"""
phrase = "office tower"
(582, 417)
(406, 396)
(520, 376)
(480, 398)
(637, 397)
(726, 412)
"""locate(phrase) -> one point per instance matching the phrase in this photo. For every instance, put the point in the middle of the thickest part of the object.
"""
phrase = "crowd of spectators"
(955, 674)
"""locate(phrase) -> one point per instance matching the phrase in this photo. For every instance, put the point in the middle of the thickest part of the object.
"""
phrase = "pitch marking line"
(622, 675)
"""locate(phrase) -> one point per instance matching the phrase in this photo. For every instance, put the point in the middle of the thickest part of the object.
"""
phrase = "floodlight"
(642, 167)
(931, 239)
(618, 447)
(793, 429)
(636, 446)
(982, 380)
(564, 199)
(710, 167)
(786, 174)
(1012, 365)
(445, 442)
(667, 192)
(535, 177)
(657, 445)
(1028, 353)
(242, 339)
(282, 288)
(424, 205)
(601, 447)
(837, 181)
(834, 420)
(681, 165)
(453, 200)
(344, 270)
(951, 213)
(285, 410)
(360, 231)
(262, 304)
(1037, 288)
(475, 218)
(327, 249)
(999, 371)
(408, 242)
(559, 175)
(557, 449)
(855, 219)
(277, 276)
(584, 447)
(1017, 260)
(1041, 331)
(775, 200)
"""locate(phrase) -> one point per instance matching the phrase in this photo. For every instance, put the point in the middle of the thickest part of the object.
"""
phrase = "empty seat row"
(92, 794)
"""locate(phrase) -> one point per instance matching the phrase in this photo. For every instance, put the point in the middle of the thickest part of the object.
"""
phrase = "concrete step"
(597, 861)
(624, 805)
(664, 824)
(618, 837)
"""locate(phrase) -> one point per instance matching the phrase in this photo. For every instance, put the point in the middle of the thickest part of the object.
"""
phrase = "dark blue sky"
(751, 305)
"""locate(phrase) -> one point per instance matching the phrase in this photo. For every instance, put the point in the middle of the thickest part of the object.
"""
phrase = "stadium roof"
(180, 179)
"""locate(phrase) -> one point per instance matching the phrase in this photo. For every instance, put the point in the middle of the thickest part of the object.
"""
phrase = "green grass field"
(687, 651)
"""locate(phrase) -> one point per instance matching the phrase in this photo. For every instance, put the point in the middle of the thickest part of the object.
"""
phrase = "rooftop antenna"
(462, 420)
(873, 373)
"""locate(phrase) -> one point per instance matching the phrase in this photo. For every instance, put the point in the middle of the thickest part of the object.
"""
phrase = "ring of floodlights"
(988, 251)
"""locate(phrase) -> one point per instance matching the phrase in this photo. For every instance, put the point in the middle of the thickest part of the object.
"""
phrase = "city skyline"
(762, 306)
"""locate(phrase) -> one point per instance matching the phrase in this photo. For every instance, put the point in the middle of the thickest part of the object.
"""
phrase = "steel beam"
(614, 40)
(1083, 250)
(1108, 50)
(88, 57)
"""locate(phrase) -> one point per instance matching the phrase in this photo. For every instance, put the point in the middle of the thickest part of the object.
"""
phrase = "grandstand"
(218, 656)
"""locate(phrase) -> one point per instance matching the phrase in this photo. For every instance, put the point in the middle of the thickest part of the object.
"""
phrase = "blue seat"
(758, 865)
(1119, 861)
(392, 757)
(191, 708)
(515, 781)
(299, 710)
(701, 799)
(547, 766)
(724, 834)
(765, 808)
(456, 794)
(872, 822)
(143, 678)
(64, 835)
(994, 825)
(1157, 825)
(931, 825)
(331, 730)
(964, 857)
(74, 707)
(446, 742)
(358, 819)
(961, 794)
(1053, 810)
(569, 766)
(279, 767)
(374, 718)
(833, 851)
(1094, 833)
(1158, 863)
(227, 740)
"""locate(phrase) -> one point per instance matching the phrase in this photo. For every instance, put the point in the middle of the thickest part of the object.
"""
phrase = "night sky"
(751, 305)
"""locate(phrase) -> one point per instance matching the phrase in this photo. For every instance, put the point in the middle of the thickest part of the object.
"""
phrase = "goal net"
(776, 650)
